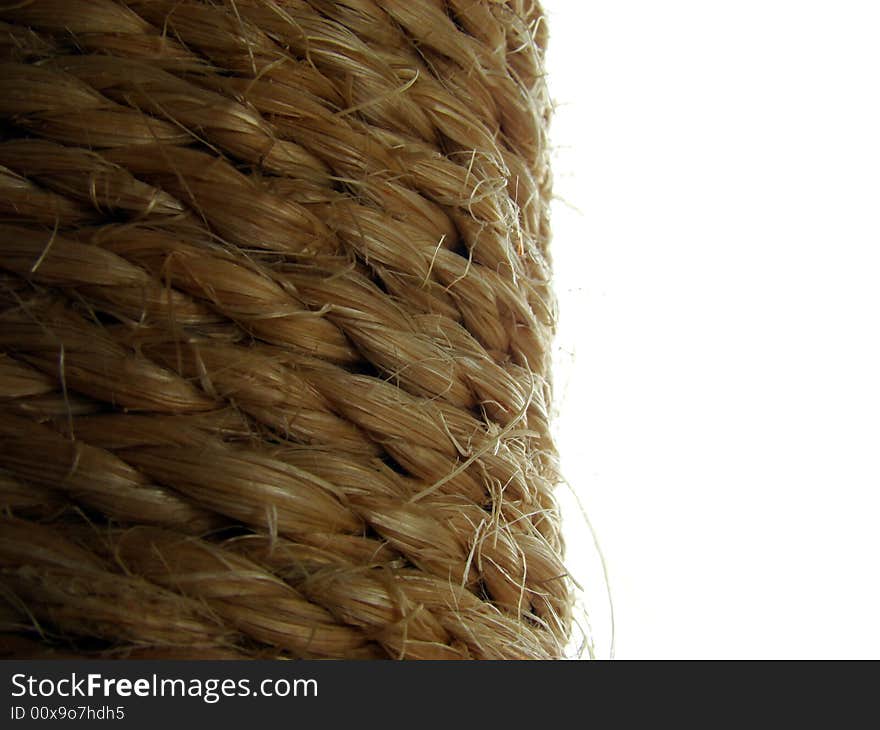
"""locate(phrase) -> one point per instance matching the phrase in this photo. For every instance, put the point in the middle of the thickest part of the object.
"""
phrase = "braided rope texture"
(275, 326)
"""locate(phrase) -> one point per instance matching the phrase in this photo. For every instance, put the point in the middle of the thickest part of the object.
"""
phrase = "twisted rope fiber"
(275, 327)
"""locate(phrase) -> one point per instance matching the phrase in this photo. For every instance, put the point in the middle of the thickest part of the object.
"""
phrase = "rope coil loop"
(275, 327)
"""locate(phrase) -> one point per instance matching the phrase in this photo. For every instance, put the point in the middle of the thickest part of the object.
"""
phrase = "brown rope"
(275, 326)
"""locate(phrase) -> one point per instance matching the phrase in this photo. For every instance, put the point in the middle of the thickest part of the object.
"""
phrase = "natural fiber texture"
(275, 330)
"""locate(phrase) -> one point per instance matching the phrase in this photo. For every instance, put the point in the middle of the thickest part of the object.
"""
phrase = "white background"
(716, 250)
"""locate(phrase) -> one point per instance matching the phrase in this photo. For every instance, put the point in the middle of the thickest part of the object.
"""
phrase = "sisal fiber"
(275, 331)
